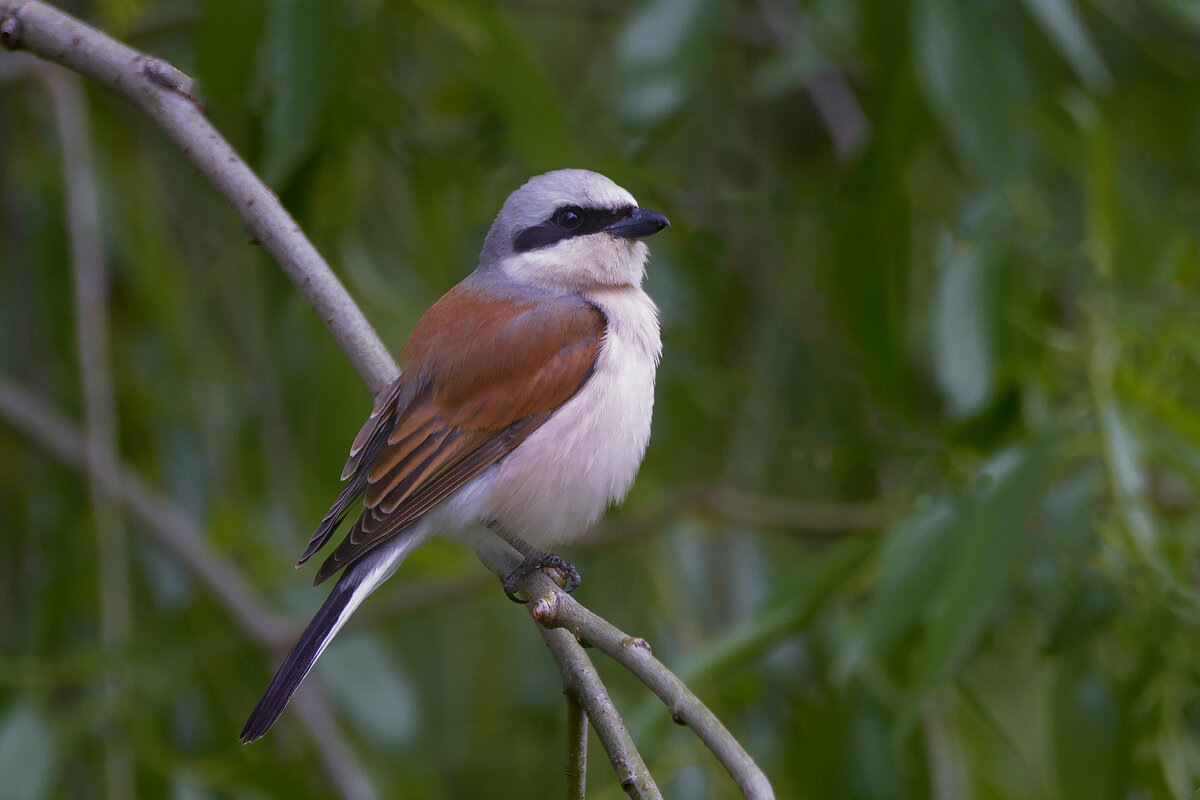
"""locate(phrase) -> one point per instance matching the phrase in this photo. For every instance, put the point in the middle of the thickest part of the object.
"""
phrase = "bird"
(522, 412)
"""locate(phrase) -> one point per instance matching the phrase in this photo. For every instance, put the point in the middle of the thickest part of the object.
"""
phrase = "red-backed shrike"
(523, 411)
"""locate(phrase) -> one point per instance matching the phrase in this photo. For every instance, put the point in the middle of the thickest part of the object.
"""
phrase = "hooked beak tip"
(638, 225)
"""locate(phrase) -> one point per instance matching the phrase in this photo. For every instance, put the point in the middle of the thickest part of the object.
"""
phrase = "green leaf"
(1123, 450)
(291, 61)
(990, 532)
(660, 52)
(964, 359)
(914, 554)
(1061, 22)
(971, 63)
(514, 80)
(796, 597)
(28, 753)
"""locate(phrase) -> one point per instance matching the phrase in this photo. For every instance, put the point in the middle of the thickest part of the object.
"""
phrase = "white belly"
(560, 479)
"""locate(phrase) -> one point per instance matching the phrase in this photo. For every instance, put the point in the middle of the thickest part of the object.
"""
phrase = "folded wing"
(482, 373)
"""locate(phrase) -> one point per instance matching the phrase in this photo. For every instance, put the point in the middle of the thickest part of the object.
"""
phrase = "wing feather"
(395, 457)
(483, 373)
(426, 460)
(381, 414)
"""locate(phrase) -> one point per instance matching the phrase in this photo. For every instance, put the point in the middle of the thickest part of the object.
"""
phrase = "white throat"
(585, 457)
(581, 263)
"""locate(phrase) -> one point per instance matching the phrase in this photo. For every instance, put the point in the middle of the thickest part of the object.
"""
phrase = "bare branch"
(100, 443)
(577, 741)
(554, 608)
(811, 517)
(164, 93)
(581, 682)
(165, 521)
(340, 761)
(179, 533)
(91, 311)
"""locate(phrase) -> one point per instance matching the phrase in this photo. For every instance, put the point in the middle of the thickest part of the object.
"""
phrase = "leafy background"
(919, 516)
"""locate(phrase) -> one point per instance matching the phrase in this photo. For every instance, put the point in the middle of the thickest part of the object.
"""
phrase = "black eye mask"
(567, 222)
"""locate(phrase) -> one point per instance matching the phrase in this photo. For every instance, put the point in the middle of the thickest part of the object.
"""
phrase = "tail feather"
(368, 444)
(355, 584)
(333, 519)
(298, 663)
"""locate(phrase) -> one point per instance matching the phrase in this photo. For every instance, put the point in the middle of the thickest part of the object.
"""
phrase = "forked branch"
(165, 95)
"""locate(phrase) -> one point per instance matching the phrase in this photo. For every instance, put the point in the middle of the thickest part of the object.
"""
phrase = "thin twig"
(166, 522)
(577, 741)
(581, 681)
(554, 608)
(164, 94)
(100, 442)
(340, 761)
(801, 515)
(180, 534)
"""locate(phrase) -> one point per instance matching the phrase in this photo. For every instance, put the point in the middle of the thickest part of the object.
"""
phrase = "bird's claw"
(562, 572)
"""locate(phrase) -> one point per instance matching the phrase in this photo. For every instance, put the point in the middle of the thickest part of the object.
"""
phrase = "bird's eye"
(569, 218)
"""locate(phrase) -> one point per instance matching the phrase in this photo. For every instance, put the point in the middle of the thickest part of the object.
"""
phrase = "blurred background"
(919, 515)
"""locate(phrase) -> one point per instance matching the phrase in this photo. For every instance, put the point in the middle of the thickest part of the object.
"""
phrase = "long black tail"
(304, 654)
(358, 581)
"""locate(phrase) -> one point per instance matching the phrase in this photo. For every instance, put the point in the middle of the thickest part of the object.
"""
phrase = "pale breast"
(585, 457)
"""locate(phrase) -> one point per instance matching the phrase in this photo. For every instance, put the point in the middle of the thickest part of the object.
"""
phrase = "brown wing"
(483, 373)
(366, 446)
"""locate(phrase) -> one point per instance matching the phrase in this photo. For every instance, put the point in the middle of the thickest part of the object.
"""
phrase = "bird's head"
(571, 229)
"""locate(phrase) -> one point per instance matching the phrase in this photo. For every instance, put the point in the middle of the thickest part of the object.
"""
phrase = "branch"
(810, 517)
(180, 534)
(582, 683)
(577, 739)
(165, 521)
(164, 94)
(100, 445)
(555, 609)
(340, 760)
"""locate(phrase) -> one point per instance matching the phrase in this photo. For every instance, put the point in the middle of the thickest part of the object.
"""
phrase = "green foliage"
(941, 255)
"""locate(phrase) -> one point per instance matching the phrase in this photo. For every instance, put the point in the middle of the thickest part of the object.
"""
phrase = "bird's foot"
(562, 572)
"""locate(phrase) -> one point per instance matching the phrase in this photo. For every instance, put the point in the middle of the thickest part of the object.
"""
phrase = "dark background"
(918, 517)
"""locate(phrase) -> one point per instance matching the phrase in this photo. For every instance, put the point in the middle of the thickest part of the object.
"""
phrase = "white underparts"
(559, 480)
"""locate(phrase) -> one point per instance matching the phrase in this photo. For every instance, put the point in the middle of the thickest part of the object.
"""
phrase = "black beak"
(638, 225)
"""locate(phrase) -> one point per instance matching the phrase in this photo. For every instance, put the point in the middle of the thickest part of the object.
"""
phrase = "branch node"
(677, 717)
(11, 31)
(27, 24)
(163, 75)
(636, 643)
(545, 610)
